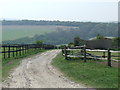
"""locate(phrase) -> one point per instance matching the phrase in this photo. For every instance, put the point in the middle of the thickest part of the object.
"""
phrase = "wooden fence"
(14, 50)
(85, 56)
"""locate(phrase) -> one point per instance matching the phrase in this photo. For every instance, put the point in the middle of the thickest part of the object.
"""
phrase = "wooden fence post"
(65, 52)
(16, 50)
(62, 52)
(109, 58)
(9, 51)
(84, 54)
(20, 50)
(13, 51)
(4, 52)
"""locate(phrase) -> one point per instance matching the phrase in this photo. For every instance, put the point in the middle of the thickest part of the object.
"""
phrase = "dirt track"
(36, 72)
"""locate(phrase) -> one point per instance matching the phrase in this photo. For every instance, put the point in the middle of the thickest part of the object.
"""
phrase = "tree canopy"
(99, 36)
(39, 42)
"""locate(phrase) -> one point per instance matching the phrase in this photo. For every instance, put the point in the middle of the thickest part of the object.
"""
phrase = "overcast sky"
(64, 10)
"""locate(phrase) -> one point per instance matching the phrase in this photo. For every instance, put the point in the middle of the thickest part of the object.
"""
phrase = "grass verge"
(9, 64)
(90, 73)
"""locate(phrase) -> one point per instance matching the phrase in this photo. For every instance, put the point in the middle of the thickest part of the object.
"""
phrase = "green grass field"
(12, 32)
(90, 73)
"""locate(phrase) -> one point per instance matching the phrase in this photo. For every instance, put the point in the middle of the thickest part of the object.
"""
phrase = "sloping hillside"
(84, 30)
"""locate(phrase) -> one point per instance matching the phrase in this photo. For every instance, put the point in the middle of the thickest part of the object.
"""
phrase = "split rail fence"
(85, 55)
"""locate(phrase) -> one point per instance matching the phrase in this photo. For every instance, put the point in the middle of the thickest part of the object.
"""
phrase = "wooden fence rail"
(14, 50)
(84, 55)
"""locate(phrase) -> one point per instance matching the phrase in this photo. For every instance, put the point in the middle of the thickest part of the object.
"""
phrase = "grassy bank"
(90, 73)
(9, 64)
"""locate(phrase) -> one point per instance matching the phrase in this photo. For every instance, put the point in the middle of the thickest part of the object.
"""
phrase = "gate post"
(109, 58)
(65, 52)
(84, 53)
(62, 51)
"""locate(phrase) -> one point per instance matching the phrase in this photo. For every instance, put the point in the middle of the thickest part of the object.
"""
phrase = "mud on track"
(37, 72)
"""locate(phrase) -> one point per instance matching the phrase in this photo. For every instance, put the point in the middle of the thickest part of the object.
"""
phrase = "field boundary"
(14, 50)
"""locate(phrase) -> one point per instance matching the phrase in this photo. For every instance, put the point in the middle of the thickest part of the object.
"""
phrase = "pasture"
(12, 32)
(90, 73)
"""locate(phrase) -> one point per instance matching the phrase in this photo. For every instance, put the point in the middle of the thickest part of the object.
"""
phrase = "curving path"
(36, 72)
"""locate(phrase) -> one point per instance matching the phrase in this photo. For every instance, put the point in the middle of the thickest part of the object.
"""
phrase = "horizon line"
(9, 19)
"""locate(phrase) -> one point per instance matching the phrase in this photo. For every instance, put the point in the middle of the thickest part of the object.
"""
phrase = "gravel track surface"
(37, 72)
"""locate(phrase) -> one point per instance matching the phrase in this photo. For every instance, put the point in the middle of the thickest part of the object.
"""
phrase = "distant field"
(12, 32)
